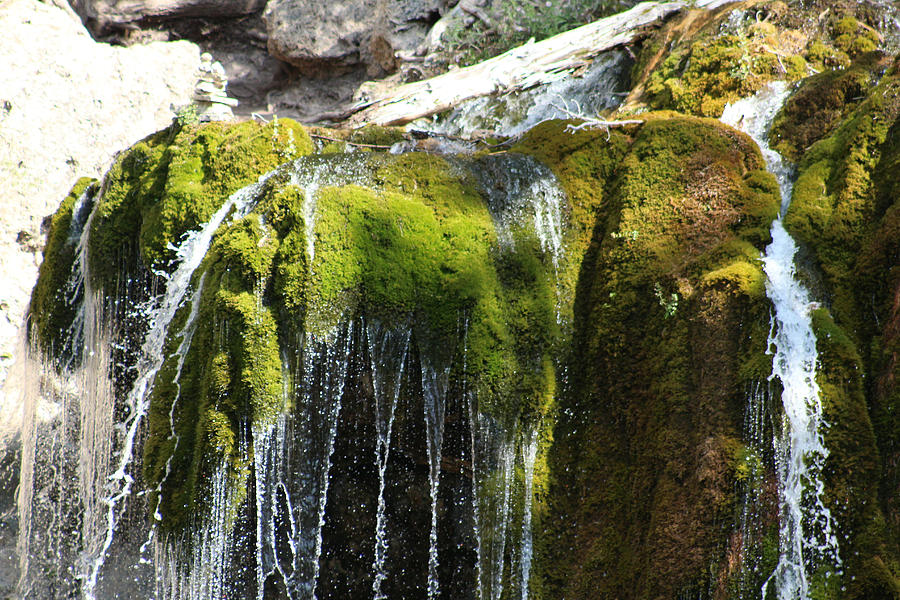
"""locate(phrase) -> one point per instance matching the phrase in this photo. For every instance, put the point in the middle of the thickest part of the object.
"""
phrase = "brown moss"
(820, 104)
(664, 289)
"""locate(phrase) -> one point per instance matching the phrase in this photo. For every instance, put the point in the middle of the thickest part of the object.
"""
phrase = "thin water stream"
(807, 532)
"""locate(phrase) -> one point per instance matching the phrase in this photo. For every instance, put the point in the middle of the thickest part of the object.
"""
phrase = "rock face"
(102, 16)
(346, 33)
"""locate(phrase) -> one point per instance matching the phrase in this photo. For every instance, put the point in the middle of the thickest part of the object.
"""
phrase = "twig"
(478, 13)
(591, 122)
(331, 139)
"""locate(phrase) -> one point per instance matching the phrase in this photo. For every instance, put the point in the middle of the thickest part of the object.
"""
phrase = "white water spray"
(529, 456)
(292, 461)
(807, 537)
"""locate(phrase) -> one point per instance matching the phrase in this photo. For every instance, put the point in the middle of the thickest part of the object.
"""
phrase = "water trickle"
(292, 460)
(311, 174)
(494, 456)
(807, 537)
(434, 384)
(524, 195)
(529, 455)
(186, 334)
(197, 570)
(388, 353)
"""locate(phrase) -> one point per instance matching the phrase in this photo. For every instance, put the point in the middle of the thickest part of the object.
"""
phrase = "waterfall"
(88, 515)
(197, 571)
(807, 538)
(85, 410)
(758, 431)
(72, 438)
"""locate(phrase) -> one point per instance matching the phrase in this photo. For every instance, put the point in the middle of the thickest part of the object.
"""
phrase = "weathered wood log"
(520, 68)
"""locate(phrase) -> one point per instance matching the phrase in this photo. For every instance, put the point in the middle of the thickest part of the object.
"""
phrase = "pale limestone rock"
(213, 103)
(67, 105)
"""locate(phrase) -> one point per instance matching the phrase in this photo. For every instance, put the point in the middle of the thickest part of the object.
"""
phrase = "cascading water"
(807, 531)
(103, 493)
(434, 383)
(292, 464)
(388, 351)
(478, 480)
(529, 450)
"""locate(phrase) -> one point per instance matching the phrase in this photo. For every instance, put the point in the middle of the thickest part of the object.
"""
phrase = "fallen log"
(535, 63)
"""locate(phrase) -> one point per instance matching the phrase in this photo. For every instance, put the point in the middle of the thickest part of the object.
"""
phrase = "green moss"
(853, 466)
(834, 202)
(854, 39)
(53, 300)
(230, 378)
(377, 135)
(716, 67)
(822, 56)
(173, 181)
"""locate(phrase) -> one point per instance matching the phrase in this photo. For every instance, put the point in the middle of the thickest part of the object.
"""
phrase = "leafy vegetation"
(510, 23)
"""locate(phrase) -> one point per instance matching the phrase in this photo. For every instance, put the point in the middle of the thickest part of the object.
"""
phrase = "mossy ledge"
(397, 239)
(669, 332)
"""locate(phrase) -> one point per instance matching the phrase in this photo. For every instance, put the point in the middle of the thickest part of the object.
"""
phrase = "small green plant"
(513, 22)
(670, 304)
(187, 115)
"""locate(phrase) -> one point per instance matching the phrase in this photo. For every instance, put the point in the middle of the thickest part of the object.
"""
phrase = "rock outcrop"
(105, 16)
(213, 102)
(67, 105)
(347, 33)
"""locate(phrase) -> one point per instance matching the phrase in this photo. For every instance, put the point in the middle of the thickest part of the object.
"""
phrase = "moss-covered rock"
(671, 274)
(56, 294)
(404, 238)
(821, 103)
(174, 180)
(844, 212)
(700, 63)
